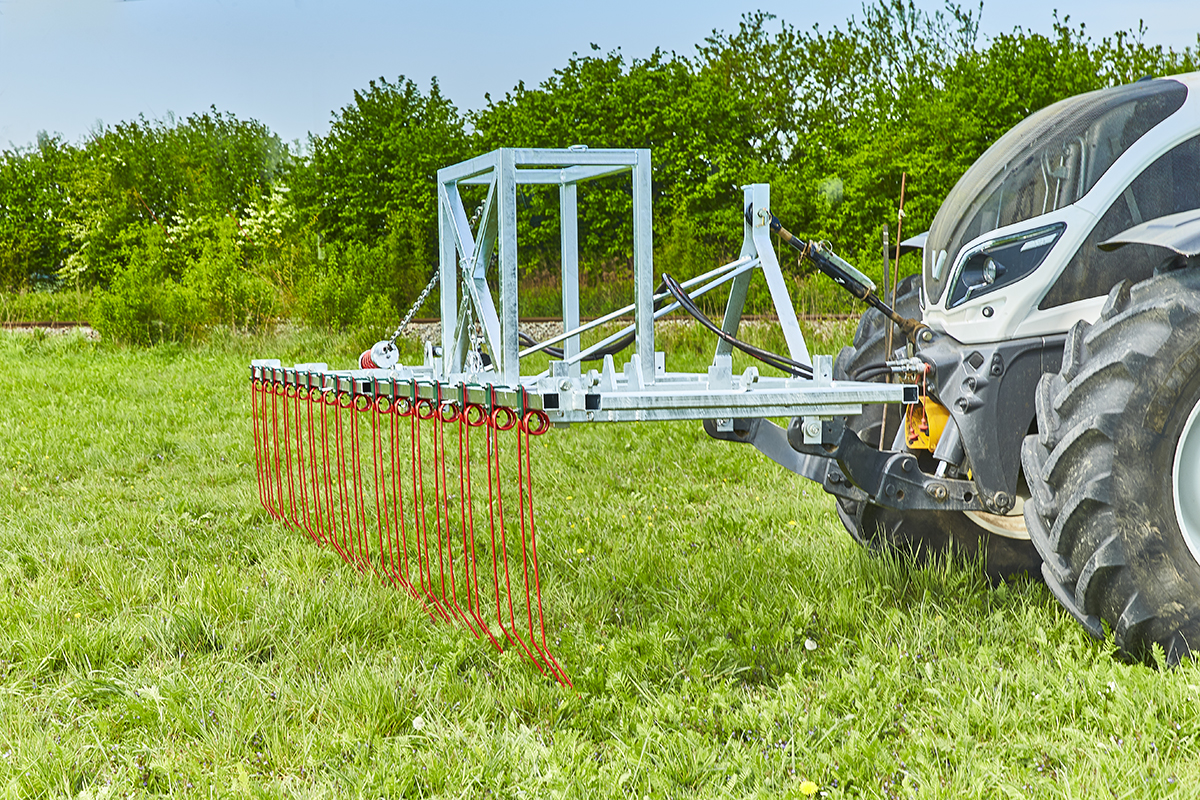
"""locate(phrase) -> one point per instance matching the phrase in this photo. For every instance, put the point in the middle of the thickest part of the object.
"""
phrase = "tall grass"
(160, 634)
(61, 306)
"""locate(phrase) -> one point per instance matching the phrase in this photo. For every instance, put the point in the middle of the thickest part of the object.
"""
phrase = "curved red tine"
(276, 465)
(425, 409)
(325, 492)
(290, 512)
(505, 419)
(300, 401)
(445, 412)
(315, 528)
(329, 513)
(383, 516)
(473, 416)
(259, 456)
(534, 423)
(404, 407)
(401, 407)
(453, 413)
(343, 524)
(360, 404)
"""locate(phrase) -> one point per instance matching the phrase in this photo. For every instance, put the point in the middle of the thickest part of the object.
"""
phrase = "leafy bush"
(175, 283)
(234, 294)
(357, 285)
(213, 221)
(146, 301)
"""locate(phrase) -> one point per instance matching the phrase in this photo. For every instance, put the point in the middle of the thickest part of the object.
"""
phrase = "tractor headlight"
(991, 270)
(1001, 261)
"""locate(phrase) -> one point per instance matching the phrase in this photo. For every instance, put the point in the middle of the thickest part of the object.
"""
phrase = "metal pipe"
(749, 265)
(620, 312)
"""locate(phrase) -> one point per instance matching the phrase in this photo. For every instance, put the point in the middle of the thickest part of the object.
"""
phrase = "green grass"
(159, 633)
(62, 306)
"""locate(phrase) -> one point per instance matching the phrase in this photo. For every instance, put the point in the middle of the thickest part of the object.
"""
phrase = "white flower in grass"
(418, 723)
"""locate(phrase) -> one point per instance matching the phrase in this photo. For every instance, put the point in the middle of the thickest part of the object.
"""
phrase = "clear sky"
(66, 65)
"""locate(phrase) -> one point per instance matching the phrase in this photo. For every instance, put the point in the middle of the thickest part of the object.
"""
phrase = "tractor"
(1054, 331)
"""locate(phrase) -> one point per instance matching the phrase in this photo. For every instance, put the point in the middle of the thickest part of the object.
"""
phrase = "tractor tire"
(870, 348)
(1114, 470)
(1004, 547)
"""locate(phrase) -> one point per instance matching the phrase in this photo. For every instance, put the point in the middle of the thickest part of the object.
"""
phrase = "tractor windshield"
(1047, 161)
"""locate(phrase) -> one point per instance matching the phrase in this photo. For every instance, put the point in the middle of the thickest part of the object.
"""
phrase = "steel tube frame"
(642, 389)
(461, 254)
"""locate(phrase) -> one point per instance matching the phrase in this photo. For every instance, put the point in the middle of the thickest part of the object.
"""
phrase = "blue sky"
(66, 65)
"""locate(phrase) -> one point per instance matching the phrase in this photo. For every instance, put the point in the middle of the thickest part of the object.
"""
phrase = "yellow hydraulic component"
(924, 423)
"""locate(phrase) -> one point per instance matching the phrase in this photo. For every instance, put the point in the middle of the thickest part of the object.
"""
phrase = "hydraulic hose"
(611, 350)
(779, 362)
(841, 272)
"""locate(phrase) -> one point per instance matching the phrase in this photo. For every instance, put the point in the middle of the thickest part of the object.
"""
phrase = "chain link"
(474, 360)
(420, 302)
(467, 268)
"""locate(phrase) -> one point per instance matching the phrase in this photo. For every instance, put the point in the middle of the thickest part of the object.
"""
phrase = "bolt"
(1002, 502)
(835, 476)
(890, 490)
(565, 385)
(988, 311)
(938, 492)
(906, 465)
(812, 429)
(926, 336)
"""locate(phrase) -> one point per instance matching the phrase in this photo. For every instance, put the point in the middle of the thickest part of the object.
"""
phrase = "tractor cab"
(1013, 249)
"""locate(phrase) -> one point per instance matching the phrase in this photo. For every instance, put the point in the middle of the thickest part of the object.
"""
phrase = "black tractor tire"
(1103, 469)
(918, 534)
(870, 348)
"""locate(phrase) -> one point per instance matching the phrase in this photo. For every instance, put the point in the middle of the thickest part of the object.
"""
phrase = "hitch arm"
(772, 441)
(887, 478)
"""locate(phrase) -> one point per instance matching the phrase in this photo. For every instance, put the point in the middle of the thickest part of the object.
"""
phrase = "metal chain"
(474, 360)
(475, 340)
(420, 302)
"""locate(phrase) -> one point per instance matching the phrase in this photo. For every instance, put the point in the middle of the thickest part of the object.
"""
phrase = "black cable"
(865, 368)
(782, 363)
(557, 352)
(867, 374)
(529, 341)
(611, 350)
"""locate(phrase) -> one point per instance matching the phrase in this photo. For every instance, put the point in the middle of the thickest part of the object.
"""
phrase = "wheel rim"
(1185, 482)
(1010, 525)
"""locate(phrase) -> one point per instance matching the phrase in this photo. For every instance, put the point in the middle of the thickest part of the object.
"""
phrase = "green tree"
(139, 174)
(369, 189)
(378, 164)
(700, 134)
(35, 197)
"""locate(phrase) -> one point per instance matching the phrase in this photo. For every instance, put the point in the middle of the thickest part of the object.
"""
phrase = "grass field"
(160, 634)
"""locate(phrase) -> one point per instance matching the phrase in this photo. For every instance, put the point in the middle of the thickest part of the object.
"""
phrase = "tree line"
(172, 226)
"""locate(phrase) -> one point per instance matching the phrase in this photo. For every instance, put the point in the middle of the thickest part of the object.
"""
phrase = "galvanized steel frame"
(642, 389)
(466, 252)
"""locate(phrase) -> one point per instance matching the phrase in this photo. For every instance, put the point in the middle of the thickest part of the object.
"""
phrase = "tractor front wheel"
(1001, 542)
(1114, 470)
